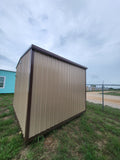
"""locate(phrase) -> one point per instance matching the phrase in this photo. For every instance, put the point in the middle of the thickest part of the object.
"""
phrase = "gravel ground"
(96, 97)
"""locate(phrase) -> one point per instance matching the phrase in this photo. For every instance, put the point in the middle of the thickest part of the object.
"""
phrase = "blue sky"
(84, 31)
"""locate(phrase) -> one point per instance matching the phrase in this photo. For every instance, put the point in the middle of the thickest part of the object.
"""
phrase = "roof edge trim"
(48, 53)
(7, 70)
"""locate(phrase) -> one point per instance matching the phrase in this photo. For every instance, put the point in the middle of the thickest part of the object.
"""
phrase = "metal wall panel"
(58, 92)
(21, 90)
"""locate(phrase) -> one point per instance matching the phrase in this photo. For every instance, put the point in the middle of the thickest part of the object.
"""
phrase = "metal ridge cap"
(41, 50)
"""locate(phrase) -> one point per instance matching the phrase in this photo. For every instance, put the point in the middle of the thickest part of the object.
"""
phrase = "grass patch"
(95, 135)
(115, 93)
(113, 147)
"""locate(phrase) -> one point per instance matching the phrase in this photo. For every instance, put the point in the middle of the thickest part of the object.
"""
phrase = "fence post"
(103, 96)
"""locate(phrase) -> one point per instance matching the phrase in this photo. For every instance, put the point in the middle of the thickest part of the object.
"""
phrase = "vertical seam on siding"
(27, 127)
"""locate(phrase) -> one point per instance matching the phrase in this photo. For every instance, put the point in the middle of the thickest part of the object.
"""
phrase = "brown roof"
(48, 53)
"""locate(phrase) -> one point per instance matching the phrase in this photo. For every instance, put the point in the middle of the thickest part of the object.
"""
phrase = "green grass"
(114, 93)
(95, 135)
(109, 92)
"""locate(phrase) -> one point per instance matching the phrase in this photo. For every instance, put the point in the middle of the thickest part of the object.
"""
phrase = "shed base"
(55, 127)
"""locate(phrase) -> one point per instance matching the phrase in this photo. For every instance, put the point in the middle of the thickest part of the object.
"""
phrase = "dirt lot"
(96, 97)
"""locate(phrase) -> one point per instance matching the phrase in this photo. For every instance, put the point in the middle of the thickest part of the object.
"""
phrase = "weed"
(92, 136)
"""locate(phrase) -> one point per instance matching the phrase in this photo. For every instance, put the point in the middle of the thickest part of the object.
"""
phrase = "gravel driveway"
(96, 97)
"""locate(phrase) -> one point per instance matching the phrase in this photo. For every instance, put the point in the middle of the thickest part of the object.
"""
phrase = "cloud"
(5, 60)
(87, 32)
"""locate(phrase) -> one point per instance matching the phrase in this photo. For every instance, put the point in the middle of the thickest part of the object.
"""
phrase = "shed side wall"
(21, 90)
(58, 92)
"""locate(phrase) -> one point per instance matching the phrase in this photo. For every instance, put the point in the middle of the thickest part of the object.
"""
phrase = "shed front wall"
(21, 90)
(58, 92)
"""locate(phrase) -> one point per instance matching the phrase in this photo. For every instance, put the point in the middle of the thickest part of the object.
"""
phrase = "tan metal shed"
(49, 91)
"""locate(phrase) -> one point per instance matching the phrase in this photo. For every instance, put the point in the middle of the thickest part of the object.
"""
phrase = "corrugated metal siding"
(21, 90)
(9, 85)
(58, 92)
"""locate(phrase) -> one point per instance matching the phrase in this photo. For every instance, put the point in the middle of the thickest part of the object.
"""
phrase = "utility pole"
(103, 96)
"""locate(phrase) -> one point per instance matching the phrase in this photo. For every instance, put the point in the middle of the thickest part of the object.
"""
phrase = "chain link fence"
(106, 94)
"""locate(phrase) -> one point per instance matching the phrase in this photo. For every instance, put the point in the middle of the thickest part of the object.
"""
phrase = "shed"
(49, 91)
(7, 81)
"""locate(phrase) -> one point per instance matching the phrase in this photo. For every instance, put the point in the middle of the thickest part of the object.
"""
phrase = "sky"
(84, 31)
